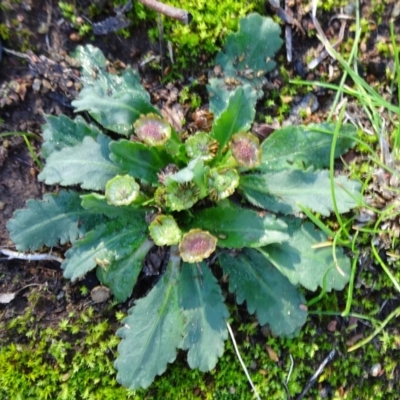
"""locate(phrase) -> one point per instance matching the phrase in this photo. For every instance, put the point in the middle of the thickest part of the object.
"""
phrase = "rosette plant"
(217, 199)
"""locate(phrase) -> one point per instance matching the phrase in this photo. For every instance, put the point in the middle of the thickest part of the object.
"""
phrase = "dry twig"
(169, 11)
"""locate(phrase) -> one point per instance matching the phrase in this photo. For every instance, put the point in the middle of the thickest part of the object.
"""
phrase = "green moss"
(212, 20)
(188, 95)
(194, 45)
(72, 359)
(4, 31)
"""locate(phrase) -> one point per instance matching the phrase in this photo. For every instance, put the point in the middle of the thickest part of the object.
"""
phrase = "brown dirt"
(22, 109)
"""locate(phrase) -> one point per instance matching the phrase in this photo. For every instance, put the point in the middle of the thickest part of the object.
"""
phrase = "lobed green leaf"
(56, 218)
(97, 203)
(220, 93)
(205, 316)
(94, 72)
(114, 101)
(283, 191)
(246, 58)
(109, 243)
(138, 160)
(61, 131)
(152, 332)
(122, 274)
(116, 113)
(238, 227)
(302, 264)
(238, 116)
(86, 164)
(301, 147)
(266, 291)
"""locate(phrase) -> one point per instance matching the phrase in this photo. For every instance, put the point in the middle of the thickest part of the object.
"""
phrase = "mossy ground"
(73, 359)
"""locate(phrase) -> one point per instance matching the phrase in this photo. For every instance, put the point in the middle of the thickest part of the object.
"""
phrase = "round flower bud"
(181, 196)
(246, 149)
(122, 190)
(152, 129)
(222, 183)
(201, 145)
(165, 231)
(197, 245)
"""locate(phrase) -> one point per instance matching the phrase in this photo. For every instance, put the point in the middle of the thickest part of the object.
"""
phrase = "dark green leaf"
(301, 147)
(175, 148)
(205, 316)
(253, 46)
(247, 56)
(266, 291)
(56, 218)
(238, 227)
(61, 131)
(283, 191)
(151, 333)
(302, 264)
(94, 72)
(246, 59)
(97, 203)
(89, 57)
(238, 116)
(220, 92)
(117, 112)
(138, 160)
(115, 101)
(110, 242)
(87, 164)
(121, 275)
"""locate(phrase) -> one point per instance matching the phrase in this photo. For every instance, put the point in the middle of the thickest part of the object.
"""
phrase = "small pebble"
(376, 370)
(60, 295)
(75, 37)
(36, 85)
(100, 294)
(308, 104)
(2, 205)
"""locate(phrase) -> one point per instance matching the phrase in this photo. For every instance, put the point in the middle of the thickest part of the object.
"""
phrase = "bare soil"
(23, 105)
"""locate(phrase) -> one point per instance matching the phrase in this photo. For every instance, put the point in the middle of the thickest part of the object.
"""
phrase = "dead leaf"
(174, 115)
(354, 339)
(6, 298)
(272, 353)
(332, 326)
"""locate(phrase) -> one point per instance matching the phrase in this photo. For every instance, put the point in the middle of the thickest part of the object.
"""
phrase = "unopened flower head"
(122, 190)
(201, 145)
(152, 129)
(197, 245)
(181, 196)
(222, 183)
(165, 231)
(246, 149)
